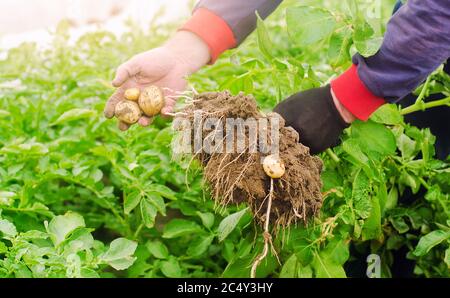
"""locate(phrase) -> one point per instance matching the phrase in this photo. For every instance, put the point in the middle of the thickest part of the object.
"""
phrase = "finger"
(145, 121)
(168, 107)
(123, 73)
(170, 97)
(166, 110)
(123, 126)
(112, 102)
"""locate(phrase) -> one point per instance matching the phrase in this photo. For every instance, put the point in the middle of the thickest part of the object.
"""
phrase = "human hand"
(166, 67)
(317, 116)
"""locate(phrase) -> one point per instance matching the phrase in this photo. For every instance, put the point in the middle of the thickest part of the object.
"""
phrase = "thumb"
(123, 73)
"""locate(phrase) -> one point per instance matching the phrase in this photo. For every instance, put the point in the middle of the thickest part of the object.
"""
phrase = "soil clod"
(239, 177)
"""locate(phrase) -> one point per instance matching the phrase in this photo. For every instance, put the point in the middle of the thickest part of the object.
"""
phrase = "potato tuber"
(151, 100)
(128, 111)
(132, 94)
(273, 166)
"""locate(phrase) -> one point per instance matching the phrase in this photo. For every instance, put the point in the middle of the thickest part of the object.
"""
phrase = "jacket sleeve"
(224, 24)
(416, 42)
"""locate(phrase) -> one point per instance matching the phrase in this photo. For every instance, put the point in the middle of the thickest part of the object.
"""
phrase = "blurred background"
(33, 20)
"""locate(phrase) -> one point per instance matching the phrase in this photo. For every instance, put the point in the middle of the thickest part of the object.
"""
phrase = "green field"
(79, 198)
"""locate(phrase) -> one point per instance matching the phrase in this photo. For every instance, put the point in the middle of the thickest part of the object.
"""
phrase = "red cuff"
(213, 30)
(354, 95)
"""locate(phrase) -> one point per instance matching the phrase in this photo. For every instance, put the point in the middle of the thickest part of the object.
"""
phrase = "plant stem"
(13, 209)
(423, 91)
(332, 155)
(420, 106)
(138, 230)
(424, 183)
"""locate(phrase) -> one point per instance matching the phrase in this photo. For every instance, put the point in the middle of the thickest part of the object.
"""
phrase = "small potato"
(151, 100)
(132, 94)
(128, 111)
(273, 166)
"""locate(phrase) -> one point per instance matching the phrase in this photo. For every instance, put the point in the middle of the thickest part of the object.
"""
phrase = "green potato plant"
(79, 198)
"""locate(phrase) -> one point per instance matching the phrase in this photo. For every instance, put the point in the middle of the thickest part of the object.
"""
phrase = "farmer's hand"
(317, 116)
(166, 67)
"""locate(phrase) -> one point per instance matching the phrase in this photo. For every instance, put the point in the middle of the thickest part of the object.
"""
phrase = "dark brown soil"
(235, 178)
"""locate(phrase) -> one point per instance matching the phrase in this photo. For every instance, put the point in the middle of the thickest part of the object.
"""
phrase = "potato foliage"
(79, 198)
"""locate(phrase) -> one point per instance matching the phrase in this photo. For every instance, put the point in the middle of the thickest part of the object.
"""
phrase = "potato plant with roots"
(80, 198)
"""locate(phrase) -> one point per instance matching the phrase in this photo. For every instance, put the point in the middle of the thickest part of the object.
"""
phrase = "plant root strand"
(267, 236)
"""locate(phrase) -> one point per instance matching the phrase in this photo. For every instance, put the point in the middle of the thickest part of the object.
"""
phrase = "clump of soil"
(239, 177)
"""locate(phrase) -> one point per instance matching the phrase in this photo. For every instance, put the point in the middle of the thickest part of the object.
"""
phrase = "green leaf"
(409, 180)
(374, 137)
(430, 240)
(360, 195)
(76, 171)
(75, 114)
(366, 44)
(158, 249)
(337, 251)
(171, 268)
(406, 146)
(382, 197)
(7, 228)
(394, 242)
(199, 245)
(307, 25)
(229, 223)
(180, 227)
(6, 195)
(303, 251)
(62, 225)
(3, 248)
(447, 257)
(339, 48)
(372, 225)
(96, 175)
(290, 267)
(330, 179)
(32, 148)
(264, 42)
(434, 194)
(119, 248)
(157, 201)
(148, 213)
(387, 114)
(4, 114)
(240, 267)
(207, 218)
(392, 198)
(399, 224)
(244, 247)
(88, 273)
(79, 240)
(22, 271)
(120, 254)
(228, 250)
(352, 147)
(305, 271)
(122, 264)
(324, 267)
(162, 190)
(131, 201)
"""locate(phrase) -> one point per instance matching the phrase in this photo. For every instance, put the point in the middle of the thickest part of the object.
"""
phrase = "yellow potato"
(151, 100)
(132, 94)
(128, 111)
(273, 166)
